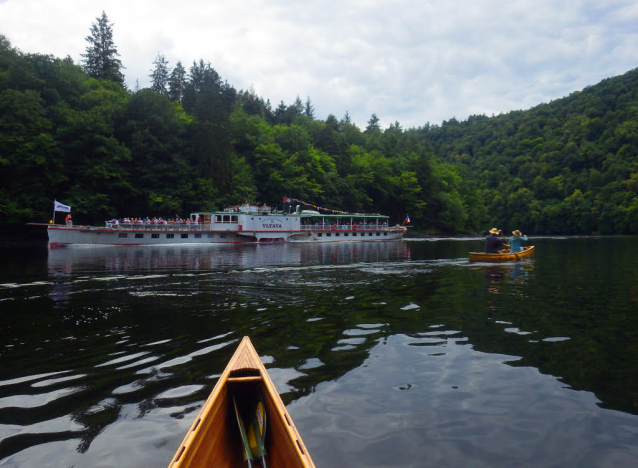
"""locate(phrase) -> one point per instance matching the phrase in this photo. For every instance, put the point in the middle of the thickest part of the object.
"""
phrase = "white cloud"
(407, 61)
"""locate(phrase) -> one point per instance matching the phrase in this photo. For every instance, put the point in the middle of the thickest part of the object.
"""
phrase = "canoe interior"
(502, 257)
(214, 439)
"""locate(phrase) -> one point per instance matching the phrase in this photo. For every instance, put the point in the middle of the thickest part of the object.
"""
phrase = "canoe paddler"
(515, 241)
(493, 243)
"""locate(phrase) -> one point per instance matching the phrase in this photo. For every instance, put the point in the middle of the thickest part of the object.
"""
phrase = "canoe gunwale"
(527, 252)
(244, 369)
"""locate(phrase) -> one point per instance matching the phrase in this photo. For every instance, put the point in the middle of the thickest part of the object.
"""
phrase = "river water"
(386, 353)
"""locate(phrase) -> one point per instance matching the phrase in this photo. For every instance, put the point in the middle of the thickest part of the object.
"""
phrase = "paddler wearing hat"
(493, 243)
(515, 241)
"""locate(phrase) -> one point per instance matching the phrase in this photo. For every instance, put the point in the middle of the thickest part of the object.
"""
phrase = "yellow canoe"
(214, 439)
(527, 252)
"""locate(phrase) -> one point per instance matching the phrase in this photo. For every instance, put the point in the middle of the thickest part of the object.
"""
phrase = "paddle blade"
(257, 431)
(244, 438)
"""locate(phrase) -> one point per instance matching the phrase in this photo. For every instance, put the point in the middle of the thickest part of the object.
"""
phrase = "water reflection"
(62, 261)
(512, 274)
(441, 403)
(394, 353)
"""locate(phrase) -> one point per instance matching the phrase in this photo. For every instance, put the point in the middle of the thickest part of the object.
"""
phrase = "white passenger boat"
(240, 224)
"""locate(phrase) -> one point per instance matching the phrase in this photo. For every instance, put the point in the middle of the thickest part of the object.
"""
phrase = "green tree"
(100, 60)
(160, 75)
(154, 130)
(211, 102)
(177, 83)
(96, 162)
(373, 125)
(309, 109)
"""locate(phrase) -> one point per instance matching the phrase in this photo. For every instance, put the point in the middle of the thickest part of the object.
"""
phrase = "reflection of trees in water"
(315, 320)
(472, 300)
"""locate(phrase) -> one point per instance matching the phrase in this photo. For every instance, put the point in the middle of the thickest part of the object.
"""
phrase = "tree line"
(566, 167)
(191, 141)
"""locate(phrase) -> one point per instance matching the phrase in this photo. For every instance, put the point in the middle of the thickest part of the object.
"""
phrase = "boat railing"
(159, 227)
(342, 227)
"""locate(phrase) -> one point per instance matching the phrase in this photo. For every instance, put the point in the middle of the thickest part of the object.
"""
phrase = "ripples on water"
(388, 354)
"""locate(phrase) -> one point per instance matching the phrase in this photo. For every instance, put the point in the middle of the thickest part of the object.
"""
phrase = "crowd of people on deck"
(496, 244)
(148, 220)
(344, 224)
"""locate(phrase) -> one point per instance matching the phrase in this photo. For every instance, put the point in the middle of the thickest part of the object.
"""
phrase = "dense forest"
(75, 133)
(567, 167)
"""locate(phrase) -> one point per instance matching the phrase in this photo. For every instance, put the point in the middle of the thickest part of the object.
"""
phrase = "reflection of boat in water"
(527, 253)
(498, 277)
(217, 437)
(243, 224)
(215, 256)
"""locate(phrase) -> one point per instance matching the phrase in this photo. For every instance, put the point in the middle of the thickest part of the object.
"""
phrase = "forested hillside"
(568, 167)
(193, 142)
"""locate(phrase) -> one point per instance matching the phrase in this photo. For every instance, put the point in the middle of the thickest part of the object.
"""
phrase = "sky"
(412, 62)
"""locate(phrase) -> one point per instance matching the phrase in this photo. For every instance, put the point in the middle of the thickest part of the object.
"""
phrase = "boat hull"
(213, 439)
(528, 252)
(91, 235)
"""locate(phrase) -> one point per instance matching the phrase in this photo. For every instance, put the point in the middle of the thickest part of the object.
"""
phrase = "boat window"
(154, 236)
(385, 234)
(328, 234)
(369, 234)
(198, 236)
(139, 235)
(338, 234)
(218, 218)
(319, 234)
(123, 235)
(345, 234)
(170, 236)
(184, 236)
(223, 236)
(211, 236)
(354, 234)
(378, 234)
(233, 219)
(226, 219)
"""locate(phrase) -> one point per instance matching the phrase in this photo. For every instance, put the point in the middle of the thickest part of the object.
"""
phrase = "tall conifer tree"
(309, 109)
(373, 124)
(159, 75)
(100, 60)
(176, 83)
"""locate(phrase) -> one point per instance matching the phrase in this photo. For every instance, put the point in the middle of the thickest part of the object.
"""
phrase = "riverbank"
(14, 234)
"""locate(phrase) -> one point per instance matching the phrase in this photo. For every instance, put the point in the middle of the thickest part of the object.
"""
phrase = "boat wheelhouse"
(238, 224)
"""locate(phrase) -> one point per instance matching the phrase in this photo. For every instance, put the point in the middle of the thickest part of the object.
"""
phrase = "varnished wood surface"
(213, 439)
(502, 257)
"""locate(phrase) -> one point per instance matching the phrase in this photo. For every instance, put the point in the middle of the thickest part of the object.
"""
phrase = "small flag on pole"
(57, 206)
(287, 200)
(407, 219)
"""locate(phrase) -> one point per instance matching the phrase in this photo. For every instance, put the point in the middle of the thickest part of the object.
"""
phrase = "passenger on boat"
(515, 241)
(493, 242)
(69, 221)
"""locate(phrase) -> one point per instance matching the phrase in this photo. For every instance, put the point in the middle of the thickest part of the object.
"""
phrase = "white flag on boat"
(57, 206)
